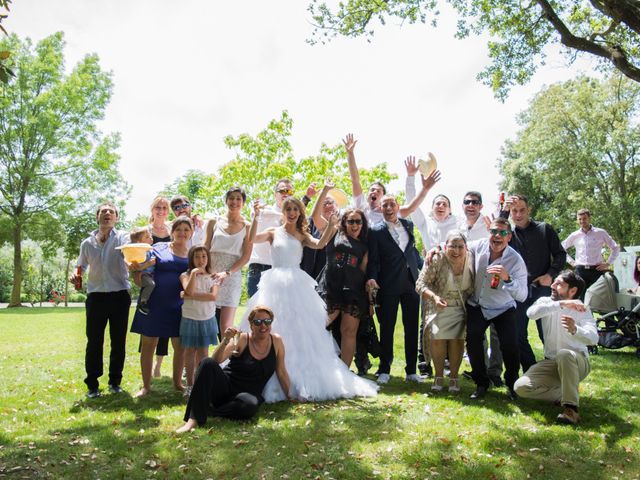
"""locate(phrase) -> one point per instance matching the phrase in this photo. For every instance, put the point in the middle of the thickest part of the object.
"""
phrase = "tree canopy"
(261, 160)
(518, 31)
(53, 158)
(579, 147)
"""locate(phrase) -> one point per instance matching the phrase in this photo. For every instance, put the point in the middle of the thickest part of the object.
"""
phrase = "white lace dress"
(226, 249)
(311, 355)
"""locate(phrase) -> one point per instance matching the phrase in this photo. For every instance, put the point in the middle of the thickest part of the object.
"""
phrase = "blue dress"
(165, 304)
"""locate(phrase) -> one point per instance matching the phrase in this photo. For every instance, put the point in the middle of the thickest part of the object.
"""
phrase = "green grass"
(49, 430)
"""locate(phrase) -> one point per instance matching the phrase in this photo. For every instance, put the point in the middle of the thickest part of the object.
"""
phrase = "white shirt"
(478, 230)
(269, 217)
(375, 216)
(200, 309)
(589, 246)
(556, 336)
(399, 233)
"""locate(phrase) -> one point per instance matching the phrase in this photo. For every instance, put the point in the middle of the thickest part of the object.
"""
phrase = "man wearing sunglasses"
(181, 207)
(270, 216)
(542, 252)
(500, 282)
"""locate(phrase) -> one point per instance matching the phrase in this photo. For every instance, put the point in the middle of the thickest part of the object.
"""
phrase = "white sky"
(189, 73)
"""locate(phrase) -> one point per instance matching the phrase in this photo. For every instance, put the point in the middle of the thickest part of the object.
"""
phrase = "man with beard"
(568, 327)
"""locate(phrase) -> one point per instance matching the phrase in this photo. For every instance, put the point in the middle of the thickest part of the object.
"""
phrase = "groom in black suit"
(394, 265)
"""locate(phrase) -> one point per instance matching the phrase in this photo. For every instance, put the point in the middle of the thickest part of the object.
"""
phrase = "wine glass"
(236, 341)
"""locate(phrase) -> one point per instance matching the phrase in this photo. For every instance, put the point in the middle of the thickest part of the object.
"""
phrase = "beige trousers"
(556, 379)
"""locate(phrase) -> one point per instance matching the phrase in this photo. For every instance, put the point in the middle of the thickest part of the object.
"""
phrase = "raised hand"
(411, 166)
(312, 190)
(431, 180)
(349, 143)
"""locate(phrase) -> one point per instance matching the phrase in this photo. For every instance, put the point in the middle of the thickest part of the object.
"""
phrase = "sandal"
(437, 384)
(453, 385)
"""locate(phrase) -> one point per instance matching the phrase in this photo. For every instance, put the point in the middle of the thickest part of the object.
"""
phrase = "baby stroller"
(619, 321)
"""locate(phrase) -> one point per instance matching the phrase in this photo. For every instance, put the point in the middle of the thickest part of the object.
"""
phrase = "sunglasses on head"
(259, 321)
(354, 221)
(471, 202)
(182, 206)
(285, 191)
(502, 233)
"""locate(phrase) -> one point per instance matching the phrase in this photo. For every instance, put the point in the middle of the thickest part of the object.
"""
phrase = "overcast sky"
(189, 73)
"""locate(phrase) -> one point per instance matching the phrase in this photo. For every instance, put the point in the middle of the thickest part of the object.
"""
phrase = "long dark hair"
(636, 272)
(192, 255)
(362, 236)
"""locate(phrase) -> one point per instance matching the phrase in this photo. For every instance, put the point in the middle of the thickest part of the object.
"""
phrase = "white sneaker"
(414, 377)
(383, 378)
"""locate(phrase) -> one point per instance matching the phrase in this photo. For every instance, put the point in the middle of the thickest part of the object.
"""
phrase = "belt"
(587, 267)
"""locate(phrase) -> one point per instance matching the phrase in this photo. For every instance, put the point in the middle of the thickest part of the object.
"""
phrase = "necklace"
(257, 350)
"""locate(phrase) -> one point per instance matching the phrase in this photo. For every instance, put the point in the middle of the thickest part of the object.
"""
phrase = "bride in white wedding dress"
(315, 369)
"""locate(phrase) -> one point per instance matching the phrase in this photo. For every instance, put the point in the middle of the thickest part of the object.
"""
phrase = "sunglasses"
(354, 221)
(503, 233)
(285, 191)
(259, 321)
(471, 202)
(183, 206)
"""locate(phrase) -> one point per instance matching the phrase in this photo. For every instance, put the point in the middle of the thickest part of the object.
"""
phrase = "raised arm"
(225, 348)
(349, 145)
(427, 184)
(327, 235)
(316, 214)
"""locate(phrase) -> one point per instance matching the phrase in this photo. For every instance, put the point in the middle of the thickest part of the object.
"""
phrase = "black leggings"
(211, 396)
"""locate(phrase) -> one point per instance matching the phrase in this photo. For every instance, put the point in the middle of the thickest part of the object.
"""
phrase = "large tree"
(53, 158)
(579, 147)
(518, 30)
(261, 160)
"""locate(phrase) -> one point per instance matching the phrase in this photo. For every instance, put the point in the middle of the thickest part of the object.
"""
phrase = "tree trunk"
(67, 274)
(17, 266)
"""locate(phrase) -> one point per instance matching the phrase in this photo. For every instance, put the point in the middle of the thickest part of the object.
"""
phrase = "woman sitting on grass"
(235, 391)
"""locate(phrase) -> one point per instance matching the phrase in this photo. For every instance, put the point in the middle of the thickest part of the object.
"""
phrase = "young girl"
(198, 328)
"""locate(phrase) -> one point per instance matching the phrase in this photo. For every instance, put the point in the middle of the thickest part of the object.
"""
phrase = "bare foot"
(179, 387)
(143, 391)
(156, 371)
(187, 427)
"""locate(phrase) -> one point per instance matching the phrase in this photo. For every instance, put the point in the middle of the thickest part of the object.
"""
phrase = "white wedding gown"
(315, 369)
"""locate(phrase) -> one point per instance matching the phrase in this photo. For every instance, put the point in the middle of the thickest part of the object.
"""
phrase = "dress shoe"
(383, 378)
(479, 393)
(568, 416)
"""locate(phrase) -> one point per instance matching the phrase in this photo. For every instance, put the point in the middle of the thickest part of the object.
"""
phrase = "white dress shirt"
(589, 246)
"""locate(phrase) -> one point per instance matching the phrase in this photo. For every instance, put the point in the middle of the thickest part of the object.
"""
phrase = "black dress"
(233, 392)
(342, 282)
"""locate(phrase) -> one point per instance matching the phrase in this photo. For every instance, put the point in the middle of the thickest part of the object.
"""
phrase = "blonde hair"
(137, 233)
(157, 201)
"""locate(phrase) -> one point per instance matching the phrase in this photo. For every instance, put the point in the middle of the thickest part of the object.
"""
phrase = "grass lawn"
(48, 429)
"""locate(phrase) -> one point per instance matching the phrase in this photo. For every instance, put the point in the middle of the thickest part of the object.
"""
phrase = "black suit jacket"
(388, 265)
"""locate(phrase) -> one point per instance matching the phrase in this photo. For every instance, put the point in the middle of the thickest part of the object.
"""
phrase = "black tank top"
(246, 374)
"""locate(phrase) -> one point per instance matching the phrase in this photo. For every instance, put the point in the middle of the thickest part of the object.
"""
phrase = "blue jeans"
(253, 277)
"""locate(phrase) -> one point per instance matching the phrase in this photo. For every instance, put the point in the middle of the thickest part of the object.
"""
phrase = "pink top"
(589, 246)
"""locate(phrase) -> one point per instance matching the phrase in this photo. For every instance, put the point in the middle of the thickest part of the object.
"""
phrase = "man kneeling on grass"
(568, 327)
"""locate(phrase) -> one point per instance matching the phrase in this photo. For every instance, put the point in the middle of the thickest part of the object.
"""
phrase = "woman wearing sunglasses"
(235, 391)
(316, 372)
(342, 282)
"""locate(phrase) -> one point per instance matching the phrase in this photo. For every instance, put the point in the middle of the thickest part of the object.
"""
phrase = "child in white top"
(198, 327)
